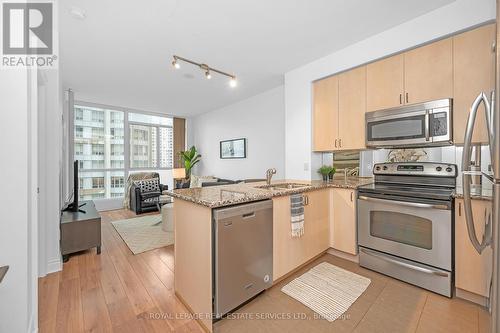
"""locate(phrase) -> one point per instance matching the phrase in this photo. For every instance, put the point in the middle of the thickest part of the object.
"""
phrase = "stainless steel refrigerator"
(490, 179)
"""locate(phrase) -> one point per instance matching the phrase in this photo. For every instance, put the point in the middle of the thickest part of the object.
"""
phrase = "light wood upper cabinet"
(352, 108)
(325, 113)
(472, 270)
(429, 72)
(385, 83)
(343, 224)
(474, 72)
(291, 252)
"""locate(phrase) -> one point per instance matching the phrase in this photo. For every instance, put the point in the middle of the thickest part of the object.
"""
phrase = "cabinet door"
(384, 83)
(325, 113)
(474, 72)
(343, 233)
(352, 108)
(429, 72)
(316, 222)
(472, 270)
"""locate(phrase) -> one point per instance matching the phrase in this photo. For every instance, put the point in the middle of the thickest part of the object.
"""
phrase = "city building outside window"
(99, 145)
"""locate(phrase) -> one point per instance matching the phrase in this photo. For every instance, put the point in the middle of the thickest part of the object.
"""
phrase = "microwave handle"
(427, 126)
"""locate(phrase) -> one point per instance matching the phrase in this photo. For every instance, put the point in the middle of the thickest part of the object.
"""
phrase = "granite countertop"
(226, 195)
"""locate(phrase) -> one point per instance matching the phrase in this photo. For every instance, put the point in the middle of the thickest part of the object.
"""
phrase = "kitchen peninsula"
(194, 231)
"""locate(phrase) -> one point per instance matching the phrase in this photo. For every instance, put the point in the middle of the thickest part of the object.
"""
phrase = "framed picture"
(236, 148)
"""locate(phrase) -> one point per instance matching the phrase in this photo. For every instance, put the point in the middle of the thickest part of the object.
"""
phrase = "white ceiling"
(121, 53)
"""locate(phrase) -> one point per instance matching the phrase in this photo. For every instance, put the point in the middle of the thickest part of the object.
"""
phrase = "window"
(98, 149)
(78, 114)
(78, 149)
(98, 116)
(98, 182)
(101, 143)
(97, 132)
(143, 146)
(117, 182)
(79, 131)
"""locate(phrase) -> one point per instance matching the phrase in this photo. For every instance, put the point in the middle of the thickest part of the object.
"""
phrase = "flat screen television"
(74, 206)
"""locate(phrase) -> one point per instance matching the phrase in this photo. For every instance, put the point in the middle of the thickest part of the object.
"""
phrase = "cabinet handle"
(335, 143)
(340, 143)
(459, 209)
(306, 200)
(400, 98)
(351, 196)
(406, 97)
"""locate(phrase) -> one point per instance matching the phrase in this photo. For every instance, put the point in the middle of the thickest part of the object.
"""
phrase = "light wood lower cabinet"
(343, 222)
(289, 252)
(472, 270)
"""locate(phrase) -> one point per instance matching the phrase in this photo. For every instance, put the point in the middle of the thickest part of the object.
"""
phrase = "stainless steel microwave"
(423, 124)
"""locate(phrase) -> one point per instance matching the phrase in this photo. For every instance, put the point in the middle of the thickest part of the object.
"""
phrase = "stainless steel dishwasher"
(243, 253)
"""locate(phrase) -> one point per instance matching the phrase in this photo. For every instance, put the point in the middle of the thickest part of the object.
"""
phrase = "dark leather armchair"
(144, 199)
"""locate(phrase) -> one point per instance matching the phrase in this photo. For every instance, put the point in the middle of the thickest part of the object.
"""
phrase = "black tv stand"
(70, 208)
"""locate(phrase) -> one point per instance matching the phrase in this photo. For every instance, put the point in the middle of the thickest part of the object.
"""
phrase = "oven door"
(415, 229)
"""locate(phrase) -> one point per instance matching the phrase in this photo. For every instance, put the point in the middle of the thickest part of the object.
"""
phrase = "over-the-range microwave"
(423, 124)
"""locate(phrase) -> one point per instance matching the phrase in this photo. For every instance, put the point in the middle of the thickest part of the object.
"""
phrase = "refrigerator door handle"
(466, 161)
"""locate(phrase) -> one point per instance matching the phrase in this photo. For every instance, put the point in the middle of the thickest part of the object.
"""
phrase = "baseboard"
(343, 255)
(33, 327)
(471, 297)
(53, 265)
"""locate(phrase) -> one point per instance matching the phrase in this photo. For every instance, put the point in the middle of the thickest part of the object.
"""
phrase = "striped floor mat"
(327, 290)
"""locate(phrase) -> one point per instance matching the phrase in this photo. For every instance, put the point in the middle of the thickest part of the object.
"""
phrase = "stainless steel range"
(405, 223)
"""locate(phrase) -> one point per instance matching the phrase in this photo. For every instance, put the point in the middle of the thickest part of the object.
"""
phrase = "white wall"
(18, 291)
(260, 120)
(457, 16)
(49, 161)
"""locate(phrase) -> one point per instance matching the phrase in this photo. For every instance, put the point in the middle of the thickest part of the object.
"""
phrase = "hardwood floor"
(115, 291)
(121, 292)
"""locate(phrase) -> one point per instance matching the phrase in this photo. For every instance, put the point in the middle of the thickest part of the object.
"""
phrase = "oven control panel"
(416, 169)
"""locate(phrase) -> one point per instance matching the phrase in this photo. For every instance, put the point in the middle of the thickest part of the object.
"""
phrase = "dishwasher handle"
(245, 211)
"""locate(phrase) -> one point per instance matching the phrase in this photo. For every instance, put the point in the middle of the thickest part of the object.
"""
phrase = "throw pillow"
(148, 185)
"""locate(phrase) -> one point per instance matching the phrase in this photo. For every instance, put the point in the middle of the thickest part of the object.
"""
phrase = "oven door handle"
(403, 264)
(404, 203)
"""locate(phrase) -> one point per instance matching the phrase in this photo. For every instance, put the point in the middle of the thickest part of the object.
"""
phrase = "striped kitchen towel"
(297, 214)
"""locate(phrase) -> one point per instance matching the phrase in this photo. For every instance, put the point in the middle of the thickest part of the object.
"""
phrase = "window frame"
(127, 169)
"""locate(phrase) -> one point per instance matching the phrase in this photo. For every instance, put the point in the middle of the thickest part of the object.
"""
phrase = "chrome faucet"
(269, 175)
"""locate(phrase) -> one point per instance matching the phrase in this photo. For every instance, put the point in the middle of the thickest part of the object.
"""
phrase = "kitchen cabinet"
(343, 223)
(352, 108)
(325, 114)
(291, 252)
(473, 72)
(385, 83)
(472, 270)
(339, 105)
(428, 72)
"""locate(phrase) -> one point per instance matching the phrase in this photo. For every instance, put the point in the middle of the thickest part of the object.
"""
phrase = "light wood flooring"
(121, 292)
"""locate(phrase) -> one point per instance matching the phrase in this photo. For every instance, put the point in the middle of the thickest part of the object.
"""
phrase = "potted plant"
(325, 171)
(332, 173)
(189, 158)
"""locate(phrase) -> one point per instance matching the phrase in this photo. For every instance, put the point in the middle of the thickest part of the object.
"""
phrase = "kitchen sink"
(283, 186)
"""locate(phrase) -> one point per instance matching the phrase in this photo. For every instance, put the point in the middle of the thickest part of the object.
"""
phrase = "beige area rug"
(327, 290)
(143, 233)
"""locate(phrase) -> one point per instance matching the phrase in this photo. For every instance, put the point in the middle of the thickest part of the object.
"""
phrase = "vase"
(325, 178)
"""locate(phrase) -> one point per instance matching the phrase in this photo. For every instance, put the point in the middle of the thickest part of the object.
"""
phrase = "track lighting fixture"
(207, 69)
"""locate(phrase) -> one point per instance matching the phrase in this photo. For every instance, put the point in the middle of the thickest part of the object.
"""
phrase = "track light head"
(208, 75)
(176, 64)
(233, 83)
